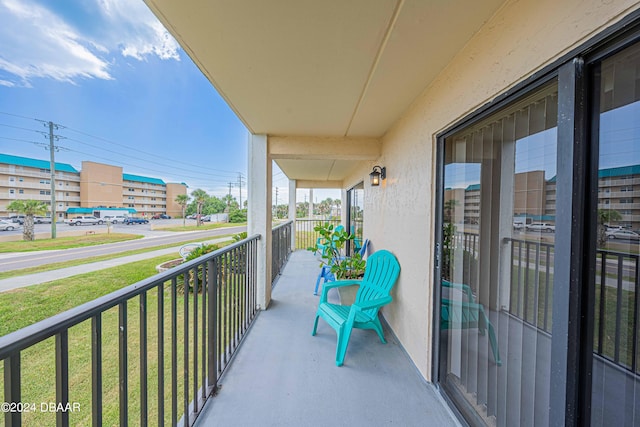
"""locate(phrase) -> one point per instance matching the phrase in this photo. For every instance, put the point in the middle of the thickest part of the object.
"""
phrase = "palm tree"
(605, 216)
(29, 208)
(182, 200)
(200, 196)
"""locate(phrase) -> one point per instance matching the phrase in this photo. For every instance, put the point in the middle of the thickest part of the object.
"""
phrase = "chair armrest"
(374, 303)
(336, 284)
(461, 287)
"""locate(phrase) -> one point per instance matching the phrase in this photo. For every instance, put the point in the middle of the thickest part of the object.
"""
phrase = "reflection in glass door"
(497, 263)
(355, 213)
(615, 397)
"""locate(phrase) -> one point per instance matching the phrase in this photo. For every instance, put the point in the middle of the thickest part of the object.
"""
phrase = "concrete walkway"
(48, 276)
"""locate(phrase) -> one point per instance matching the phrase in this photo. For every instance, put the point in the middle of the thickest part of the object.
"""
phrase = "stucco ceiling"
(338, 68)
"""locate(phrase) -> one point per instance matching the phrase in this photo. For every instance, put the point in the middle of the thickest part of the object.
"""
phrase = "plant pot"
(168, 264)
(347, 294)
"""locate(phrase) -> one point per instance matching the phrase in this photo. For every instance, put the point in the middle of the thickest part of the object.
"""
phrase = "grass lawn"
(21, 307)
(66, 242)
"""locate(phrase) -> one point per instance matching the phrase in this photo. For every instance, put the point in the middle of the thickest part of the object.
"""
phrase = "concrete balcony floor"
(283, 376)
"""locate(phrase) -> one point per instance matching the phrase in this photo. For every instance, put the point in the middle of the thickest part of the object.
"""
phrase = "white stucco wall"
(519, 40)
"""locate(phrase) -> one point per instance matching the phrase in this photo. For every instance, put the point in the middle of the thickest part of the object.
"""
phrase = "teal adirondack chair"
(322, 244)
(466, 315)
(374, 292)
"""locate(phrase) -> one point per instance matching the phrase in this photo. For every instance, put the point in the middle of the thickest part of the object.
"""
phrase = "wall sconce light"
(377, 174)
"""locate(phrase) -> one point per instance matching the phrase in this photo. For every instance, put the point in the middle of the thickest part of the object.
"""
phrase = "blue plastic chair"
(328, 276)
(374, 292)
(323, 244)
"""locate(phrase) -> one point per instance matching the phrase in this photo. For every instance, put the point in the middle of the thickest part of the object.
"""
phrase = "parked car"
(541, 226)
(114, 219)
(42, 219)
(192, 216)
(132, 220)
(615, 233)
(19, 219)
(206, 218)
(85, 219)
(160, 216)
(8, 225)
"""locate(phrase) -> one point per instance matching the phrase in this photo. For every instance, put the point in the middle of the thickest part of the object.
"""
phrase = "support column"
(259, 212)
(292, 211)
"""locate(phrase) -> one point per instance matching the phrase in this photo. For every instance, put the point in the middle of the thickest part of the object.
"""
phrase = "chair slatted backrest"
(379, 277)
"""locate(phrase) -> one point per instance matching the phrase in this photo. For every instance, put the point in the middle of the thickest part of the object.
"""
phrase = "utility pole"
(229, 199)
(240, 179)
(52, 167)
(276, 202)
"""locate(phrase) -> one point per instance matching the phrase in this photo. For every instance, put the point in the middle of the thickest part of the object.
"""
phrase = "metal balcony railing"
(306, 236)
(280, 248)
(530, 296)
(199, 311)
(616, 308)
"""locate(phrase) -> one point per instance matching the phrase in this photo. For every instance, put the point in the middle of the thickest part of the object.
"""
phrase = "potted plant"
(331, 245)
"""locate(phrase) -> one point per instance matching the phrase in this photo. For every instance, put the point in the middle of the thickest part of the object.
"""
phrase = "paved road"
(16, 261)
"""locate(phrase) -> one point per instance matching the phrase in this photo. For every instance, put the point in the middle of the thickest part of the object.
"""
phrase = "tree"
(231, 202)
(449, 208)
(302, 209)
(182, 200)
(606, 217)
(200, 196)
(237, 215)
(28, 208)
(213, 205)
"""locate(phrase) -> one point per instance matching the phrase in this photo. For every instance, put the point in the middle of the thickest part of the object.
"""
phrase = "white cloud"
(139, 34)
(39, 43)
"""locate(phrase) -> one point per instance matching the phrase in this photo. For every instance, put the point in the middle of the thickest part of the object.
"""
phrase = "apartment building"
(535, 197)
(23, 178)
(96, 185)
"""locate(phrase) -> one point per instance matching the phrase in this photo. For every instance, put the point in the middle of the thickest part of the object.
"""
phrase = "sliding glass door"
(497, 263)
(355, 216)
(615, 397)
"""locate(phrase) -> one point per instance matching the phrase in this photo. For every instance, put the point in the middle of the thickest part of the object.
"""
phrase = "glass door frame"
(576, 216)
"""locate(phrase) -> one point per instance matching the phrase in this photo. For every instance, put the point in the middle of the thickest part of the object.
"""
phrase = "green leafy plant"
(196, 253)
(239, 236)
(331, 246)
(448, 232)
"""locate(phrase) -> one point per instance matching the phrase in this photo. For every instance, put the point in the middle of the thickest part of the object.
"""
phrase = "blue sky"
(121, 87)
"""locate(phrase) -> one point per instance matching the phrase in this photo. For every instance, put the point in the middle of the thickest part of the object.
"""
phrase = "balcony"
(288, 377)
(299, 382)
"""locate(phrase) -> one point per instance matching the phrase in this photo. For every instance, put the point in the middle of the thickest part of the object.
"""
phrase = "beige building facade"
(425, 88)
(23, 178)
(96, 185)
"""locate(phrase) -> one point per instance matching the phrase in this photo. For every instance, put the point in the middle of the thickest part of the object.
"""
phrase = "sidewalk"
(48, 276)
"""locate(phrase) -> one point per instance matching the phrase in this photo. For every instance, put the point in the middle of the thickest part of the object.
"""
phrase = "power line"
(143, 152)
(138, 167)
(147, 161)
(204, 175)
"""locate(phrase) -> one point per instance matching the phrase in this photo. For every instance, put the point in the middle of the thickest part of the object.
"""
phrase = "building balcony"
(34, 173)
(619, 206)
(212, 379)
(299, 383)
